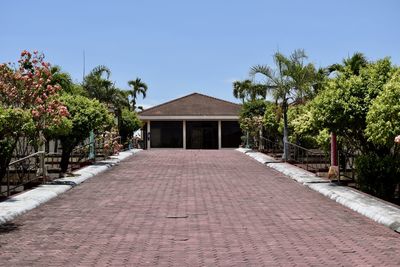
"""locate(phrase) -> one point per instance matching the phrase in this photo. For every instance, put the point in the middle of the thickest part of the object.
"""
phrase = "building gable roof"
(194, 104)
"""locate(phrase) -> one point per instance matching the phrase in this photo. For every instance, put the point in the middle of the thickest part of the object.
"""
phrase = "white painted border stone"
(19, 204)
(378, 210)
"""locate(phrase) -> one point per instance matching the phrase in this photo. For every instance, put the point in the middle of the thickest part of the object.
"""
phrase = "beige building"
(195, 121)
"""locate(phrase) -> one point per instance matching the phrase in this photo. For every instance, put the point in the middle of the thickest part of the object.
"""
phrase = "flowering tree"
(29, 87)
(27, 98)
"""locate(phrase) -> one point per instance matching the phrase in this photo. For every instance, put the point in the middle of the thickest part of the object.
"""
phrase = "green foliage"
(63, 128)
(247, 90)
(98, 84)
(298, 123)
(253, 108)
(343, 105)
(301, 120)
(138, 87)
(353, 64)
(77, 89)
(378, 175)
(292, 81)
(251, 117)
(304, 128)
(271, 120)
(383, 118)
(129, 122)
(14, 123)
(323, 139)
(85, 115)
(61, 78)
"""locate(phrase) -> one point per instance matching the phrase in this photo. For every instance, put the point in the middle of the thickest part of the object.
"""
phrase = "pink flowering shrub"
(29, 87)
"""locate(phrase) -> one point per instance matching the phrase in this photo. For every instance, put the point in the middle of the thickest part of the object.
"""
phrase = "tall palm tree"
(138, 87)
(289, 82)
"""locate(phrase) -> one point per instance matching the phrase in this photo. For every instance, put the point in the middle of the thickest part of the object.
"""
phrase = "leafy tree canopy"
(128, 124)
(85, 115)
(383, 118)
(343, 105)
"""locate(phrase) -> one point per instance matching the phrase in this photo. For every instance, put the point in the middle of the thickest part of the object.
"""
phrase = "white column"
(148, 131)
(219, 135)
(184, 134)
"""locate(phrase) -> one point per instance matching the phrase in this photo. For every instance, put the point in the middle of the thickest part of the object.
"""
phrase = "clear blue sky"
(181, 46)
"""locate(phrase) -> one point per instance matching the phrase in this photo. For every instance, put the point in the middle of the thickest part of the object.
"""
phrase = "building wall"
(192, 134)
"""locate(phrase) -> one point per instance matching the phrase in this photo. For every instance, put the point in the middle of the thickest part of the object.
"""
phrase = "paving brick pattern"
(195, 208)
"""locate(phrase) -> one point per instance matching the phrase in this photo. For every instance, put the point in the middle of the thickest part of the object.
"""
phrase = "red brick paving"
(195, 208)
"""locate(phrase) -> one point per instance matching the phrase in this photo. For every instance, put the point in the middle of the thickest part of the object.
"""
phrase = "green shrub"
(378, 176)
(129, 122)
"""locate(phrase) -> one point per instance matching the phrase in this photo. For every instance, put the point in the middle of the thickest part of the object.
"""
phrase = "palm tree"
(138, 87)
(98, 85)
(61, 78)
(248, 90)
(291, 81)
(354, 63)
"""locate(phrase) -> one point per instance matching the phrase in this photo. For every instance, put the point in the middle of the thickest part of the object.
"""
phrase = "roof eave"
(189, 117)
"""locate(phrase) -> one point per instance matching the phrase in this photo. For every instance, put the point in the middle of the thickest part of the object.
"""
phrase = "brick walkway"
(195, 208)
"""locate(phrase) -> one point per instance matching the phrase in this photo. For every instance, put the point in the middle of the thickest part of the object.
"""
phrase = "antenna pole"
(84, 63)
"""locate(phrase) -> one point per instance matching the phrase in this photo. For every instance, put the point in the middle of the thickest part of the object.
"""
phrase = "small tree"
(251, 118)
(128, 124)
(290, 82)
(14, 123)
(343, 105)
(85, 115)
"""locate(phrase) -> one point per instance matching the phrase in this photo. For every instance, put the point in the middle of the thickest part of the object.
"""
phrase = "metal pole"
(43, 166)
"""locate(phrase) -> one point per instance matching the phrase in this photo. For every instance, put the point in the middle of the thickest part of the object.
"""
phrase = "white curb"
(19, 204)
(378, 210)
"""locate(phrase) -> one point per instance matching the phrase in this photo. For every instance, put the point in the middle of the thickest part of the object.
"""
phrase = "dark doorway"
(202, 134)
(230, 134)
(166, 134)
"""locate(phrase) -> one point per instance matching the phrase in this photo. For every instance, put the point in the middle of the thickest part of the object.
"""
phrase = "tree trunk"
(3, 167)
(6, 151)
(65, 155)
